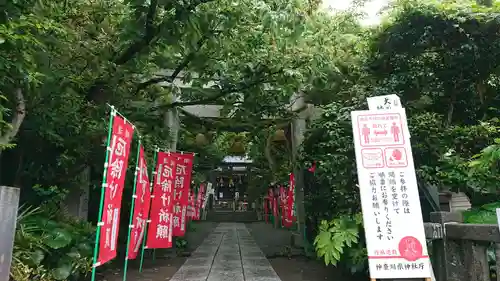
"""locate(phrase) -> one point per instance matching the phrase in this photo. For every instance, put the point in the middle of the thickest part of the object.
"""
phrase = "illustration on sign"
(380, 129)
(372, 157)
(395, 157)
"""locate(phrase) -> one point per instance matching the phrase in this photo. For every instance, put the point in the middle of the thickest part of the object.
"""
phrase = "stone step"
(230, 216)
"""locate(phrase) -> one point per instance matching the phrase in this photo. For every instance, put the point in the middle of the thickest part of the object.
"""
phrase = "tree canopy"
(62, 62)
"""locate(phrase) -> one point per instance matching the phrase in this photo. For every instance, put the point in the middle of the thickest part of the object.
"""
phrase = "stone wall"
(459, 251)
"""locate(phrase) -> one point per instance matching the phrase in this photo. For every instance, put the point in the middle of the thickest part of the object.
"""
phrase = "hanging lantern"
(200, 139)
(279, 135)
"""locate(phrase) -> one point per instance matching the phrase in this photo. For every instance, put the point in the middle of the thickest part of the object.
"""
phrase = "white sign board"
(9, 202)
(389, 196)
(209, 191)
(387, 102)
(498, 217)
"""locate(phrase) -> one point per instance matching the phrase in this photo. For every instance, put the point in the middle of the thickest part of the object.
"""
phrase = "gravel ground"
(296, 267)
(304, 269)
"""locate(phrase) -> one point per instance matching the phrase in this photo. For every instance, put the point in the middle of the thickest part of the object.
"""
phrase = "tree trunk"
(17, 119)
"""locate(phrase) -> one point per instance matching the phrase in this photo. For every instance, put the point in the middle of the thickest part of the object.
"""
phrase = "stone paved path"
(229, 253)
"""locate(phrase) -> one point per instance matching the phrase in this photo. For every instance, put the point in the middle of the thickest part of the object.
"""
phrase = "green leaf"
(58, 238)
(37, 257)
(85, 249)
(74, 254)
(62, 272)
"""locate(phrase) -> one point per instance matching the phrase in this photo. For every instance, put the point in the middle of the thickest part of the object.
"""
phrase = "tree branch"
(245, 126)
(182, 65)
(221, 94)
(150, 33)
(152, 30)
(17, 120)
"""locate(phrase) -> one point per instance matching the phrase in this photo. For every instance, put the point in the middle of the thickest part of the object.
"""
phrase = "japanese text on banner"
(192, 203)
(141, 206)
(119, 150)
(392, 215)
(189, 212)
(160, 228)
(181, 191)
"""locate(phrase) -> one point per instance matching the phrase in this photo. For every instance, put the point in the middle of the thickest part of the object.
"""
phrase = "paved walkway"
(229, 253)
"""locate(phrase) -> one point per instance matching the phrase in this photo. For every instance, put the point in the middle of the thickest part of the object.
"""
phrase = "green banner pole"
(147, 221)
(134, 198)
(103, 190)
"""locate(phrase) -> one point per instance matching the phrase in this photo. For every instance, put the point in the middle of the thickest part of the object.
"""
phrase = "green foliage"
(485, 214)
(181, 245)
(49, 248)
(441, 59)
(336, 237)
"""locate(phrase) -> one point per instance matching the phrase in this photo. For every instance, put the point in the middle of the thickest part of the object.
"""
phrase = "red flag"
(269, 202)
(313, 167)
(274, 203)
(141, 206)
(121, 137)
(181, 189)
(190, 212)
(290, 214)
(199, 201)
(282, 200)
(275, 208)
(161, 215)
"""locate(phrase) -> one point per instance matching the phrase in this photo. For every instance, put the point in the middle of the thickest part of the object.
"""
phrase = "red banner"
(141, 206)
(282, 203)
(161, 215)
(290, 199)
(181, 191)
(199, 201)
(119, 149)
(190, 209)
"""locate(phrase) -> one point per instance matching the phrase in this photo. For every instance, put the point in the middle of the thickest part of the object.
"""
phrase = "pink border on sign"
(381, 155)
(379, 145)
(394, 257)
(394, 147)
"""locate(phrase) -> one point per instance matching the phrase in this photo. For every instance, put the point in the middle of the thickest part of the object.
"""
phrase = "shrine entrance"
(231, 184)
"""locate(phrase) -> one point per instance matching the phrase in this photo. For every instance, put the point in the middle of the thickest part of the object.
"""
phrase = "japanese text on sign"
(389, 196)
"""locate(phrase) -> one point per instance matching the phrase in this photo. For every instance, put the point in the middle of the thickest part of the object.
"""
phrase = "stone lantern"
(201, 140)
(279, 135)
